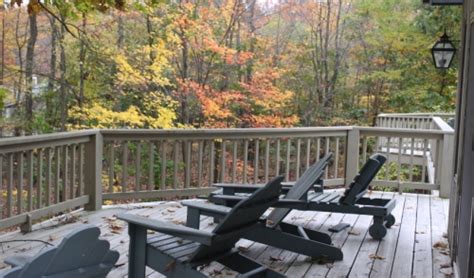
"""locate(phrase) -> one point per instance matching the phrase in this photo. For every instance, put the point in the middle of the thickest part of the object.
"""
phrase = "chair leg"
(193, 218)
(137, 254)
(247, 267)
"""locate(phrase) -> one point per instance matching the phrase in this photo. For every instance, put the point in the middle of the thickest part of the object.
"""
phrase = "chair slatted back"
(309, 178)
(243, 215)
(361, 182)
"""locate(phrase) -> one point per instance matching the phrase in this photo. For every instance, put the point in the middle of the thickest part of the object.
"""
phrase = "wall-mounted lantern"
(443, 52)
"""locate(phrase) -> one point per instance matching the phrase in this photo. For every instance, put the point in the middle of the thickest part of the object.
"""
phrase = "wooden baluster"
(73, 176)
(288, 157)
(387, 164)
(212, 163)
(19, 187)
(65, 172)
(124, 166)
(318, 149)
(30, 174)
(151, 165)
(364, 149)
(326, 172)
(223, 153)
(423, 169)
(10, 185)
(48, 177)
(246, 158)
(111, 166)
(308, 153)
(399, 164)
(200, 162)
(163, 165)
(80, 190)
(2, 185)
(412, 151)
(298, 158)
(57, 180)
(336, 159)
(277, 170)
(255, 161)
(267, 158)
(234, 161)
(175, 164)
(187, 180)
(138, 166)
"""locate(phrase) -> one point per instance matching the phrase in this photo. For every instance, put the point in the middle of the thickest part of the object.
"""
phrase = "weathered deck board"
(406, 251)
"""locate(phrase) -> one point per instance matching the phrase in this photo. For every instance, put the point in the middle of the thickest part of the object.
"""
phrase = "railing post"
(352, 155)
(93, 171)
(445, 165)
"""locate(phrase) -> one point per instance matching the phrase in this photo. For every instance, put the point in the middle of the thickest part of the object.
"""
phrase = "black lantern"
(443, 52)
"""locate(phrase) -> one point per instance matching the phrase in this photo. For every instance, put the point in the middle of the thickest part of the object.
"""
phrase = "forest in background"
(223, 63)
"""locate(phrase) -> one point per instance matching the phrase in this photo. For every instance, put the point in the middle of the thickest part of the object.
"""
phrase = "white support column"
(352, 155)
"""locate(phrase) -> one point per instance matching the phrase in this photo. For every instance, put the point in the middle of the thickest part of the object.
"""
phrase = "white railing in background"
(47, 174)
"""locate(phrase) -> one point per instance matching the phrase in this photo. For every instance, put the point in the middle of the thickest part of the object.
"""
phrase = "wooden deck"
(414, 247)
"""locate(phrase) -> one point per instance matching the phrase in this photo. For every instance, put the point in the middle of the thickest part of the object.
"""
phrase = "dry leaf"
(440, 245)
(178, 222)
(275, 259)
(51, 238)
(352, 232)
(150, 232)
(171, 209)
(170, 266)
(376, 257)
(445, 265)
(243, 249)
(216, 272)
(270, 222)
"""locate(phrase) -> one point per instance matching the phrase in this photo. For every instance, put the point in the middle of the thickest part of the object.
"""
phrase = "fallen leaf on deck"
(170, 266)
(275, 259)
(440, 245)
(243, 249)
(445, 265)
(150, 232)
(179, 241)
(178, 222)
(171, 209)
(376, 257)
(3, 265)
(51, 238)
(216, 272)
(270, 222)
(352, 232)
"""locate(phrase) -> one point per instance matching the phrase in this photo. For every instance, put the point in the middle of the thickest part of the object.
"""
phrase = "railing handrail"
(442, 114)
(442, 125)
(75, 160)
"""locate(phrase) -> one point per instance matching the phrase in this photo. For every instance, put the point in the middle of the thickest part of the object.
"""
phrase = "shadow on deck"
(414, 247)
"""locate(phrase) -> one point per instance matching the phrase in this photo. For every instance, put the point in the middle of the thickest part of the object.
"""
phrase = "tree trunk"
(63, 101)
(82, 60)
(30, 53)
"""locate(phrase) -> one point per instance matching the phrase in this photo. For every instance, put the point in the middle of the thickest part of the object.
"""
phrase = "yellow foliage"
(158, 112)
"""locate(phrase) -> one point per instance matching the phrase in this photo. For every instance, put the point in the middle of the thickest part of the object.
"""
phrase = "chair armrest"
(208, 207)
(200, 236)
(17, 260)
(238, 185)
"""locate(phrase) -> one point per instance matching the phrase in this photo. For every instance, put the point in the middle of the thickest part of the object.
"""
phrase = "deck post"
(445, 166)
(93, 171)
(352, 155)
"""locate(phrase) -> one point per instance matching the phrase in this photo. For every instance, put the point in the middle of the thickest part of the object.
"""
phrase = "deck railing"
(47, 174)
